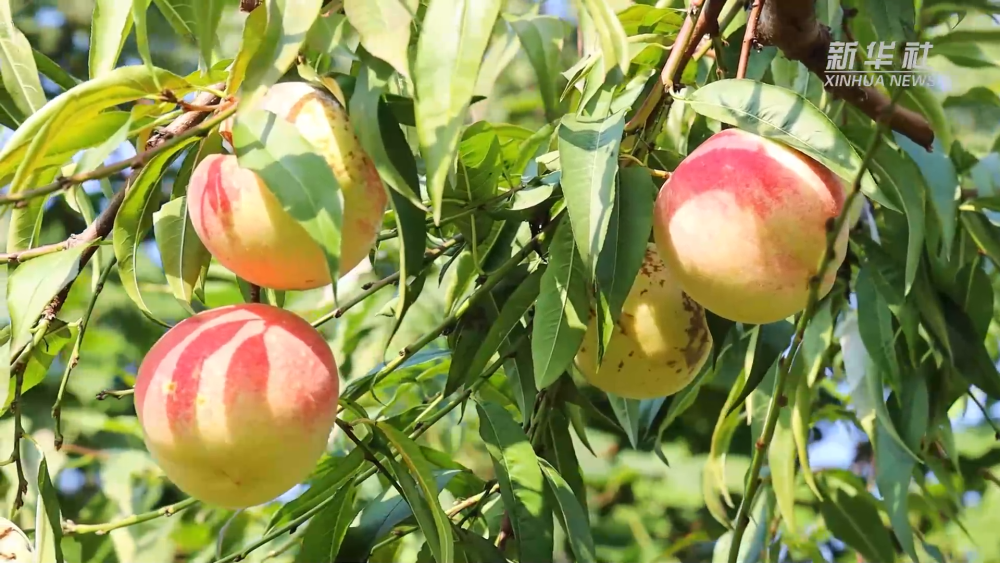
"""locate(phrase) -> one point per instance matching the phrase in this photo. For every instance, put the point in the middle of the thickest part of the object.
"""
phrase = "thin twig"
(370, 455)
(986, 413)
(749, 37)
(116, 393)
(74, 357)
(697, 21)
(72, 528)
(778, 399)
(105, 171)
(370, 288)
(17, 369)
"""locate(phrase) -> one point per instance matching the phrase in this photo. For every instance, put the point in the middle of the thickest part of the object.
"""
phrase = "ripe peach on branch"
(237, 403)
(244, 226)
(742, 222)
(660, 342)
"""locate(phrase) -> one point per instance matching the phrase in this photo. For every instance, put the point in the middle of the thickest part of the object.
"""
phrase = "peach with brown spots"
(244, 225)
(660, 342)
(237, 403)
(742, 224)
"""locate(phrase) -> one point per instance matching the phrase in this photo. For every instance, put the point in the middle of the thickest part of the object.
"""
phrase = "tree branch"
(185, 126)
(791, 25)
(748, 38)
(778, 399)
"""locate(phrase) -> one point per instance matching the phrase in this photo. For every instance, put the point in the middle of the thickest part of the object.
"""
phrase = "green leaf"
(571, 515)
(453, 39)
(875, 327)
(641, 19)
(925, 101)
(329, 477)
(139, 8)
(851, 515)
(895, 170)
(628, 234)
(17, 66)
(521, 482)
(614, 42)
(894, 20)
(135, 218)
(627, 413)
(421, 493)
(714, 478)
(39, 361)
(378, 518)
(806, 366)
(300, 178)
(561, 312)
(327, 529)
(514, 309)
(542, 40)
(11, 116)
(561, 451)
(971, 359)
(185, 258)
(384, 27)
(110, 25)
(465, 343)
(503, 48)
(73, 110)
(479, 171)
(520, 374)
(288, 22)
(894, 466)
(753, 539)
(939, 172)
(207, 15)
(866, 383)
(253, 32)
(974, 291)
(781, 460)
(48, 521)
(985, 234)
(588, 153)
(180, 14)
(769, 340)
(33, 284)
(381, 136)
(784, 116)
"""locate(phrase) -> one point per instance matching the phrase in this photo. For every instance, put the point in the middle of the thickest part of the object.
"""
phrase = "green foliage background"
(611, 453)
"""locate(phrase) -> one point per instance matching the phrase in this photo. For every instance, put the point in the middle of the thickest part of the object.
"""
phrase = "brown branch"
(791, 25)
(681, 52)
(249, 5)
(748, 38)
(707, 24)
(102, 225)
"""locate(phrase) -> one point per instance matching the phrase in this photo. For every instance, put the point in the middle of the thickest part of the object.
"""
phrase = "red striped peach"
(237, 403)
(244, 226)
(742, 223)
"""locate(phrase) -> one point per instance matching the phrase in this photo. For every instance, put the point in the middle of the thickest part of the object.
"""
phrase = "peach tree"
(500, 280)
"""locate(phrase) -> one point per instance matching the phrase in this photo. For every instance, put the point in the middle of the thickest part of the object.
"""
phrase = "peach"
(660, 342)
(237, 403)
(742, 224)
(245, 227)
